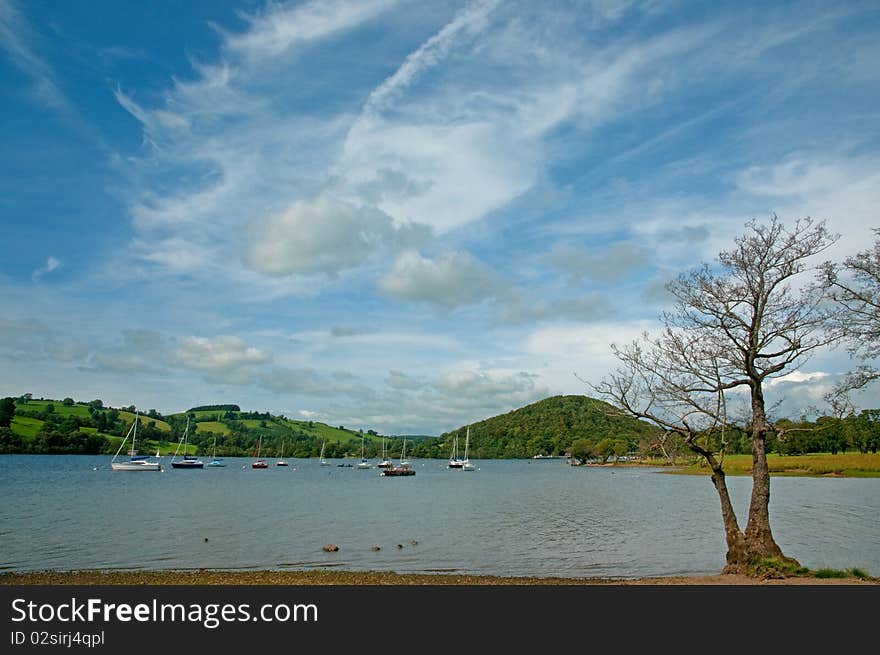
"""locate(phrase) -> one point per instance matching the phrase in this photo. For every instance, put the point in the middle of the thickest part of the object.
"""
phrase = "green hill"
(550, 427)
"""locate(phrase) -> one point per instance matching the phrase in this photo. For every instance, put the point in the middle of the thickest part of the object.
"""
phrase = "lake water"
(511, 517)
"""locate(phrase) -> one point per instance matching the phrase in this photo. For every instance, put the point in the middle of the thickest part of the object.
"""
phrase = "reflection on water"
(512, 517)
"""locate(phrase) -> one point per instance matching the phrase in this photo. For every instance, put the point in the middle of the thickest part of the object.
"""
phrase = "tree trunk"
(758, 537)
(737, 554)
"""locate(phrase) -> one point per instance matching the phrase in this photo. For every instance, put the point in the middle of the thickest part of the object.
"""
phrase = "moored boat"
(135, 462)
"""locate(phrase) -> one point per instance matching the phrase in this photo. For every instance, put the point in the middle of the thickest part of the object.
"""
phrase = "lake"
(510, 517)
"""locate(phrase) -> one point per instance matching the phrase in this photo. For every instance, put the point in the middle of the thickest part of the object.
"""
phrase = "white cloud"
(15, 35)
(843, 190)
(797, 377)
(441, 174)
(282, 27)
(450, 280)
(324, 236)
(52, 264)
(469, 21)
(216, 354)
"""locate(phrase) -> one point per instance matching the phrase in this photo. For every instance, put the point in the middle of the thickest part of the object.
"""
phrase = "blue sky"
(402, 215)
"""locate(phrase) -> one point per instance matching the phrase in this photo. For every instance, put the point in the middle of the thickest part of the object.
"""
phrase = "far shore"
(378, 578)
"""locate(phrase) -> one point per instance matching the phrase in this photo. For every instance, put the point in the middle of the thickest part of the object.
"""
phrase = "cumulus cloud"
(449, 280)
(220, 354)
(325, 235)
(797, 377)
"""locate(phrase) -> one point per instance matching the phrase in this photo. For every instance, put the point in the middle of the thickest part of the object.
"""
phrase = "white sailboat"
(189, 461)
(403, 460)
(135, 462)
(466, 463)
(259, 463)
(281, 461)
(363, 464)
(323, 461)
(454, 460)
(215, 463)
(385, 463)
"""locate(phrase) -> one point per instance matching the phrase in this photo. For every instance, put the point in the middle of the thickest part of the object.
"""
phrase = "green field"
(26, 426)
(856, 465)
(81, 411)
(212, 426)
(128, 417)
(323, 431)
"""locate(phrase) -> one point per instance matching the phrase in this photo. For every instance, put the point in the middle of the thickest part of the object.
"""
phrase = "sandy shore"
(334, 577)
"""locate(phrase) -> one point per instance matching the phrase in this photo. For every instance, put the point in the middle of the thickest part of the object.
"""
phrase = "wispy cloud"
(52, 264)
(16, 37)
(281, 27)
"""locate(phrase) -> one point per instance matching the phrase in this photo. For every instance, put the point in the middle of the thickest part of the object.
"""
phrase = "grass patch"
(776, 568)
(212, 426)
(128, 417)
(862, 465)
(26, 426)
(830, 573)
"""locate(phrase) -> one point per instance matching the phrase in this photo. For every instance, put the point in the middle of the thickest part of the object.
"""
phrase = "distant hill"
(549, 427)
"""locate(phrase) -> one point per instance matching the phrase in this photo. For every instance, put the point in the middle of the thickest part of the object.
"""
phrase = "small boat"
(455, 461)
(215, 463)
(402, 469)
(188, 461)
(324, 461)
(385, 463)
(403, 460)
(259, 463)
(135, 462)
(396, 471)
(281, 461)
(466, 463)
(363, 464)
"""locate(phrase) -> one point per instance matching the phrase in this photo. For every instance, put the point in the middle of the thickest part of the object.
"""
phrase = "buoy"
(206, 540)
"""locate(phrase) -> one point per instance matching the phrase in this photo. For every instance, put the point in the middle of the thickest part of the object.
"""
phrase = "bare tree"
(856, 288)
(734, 326)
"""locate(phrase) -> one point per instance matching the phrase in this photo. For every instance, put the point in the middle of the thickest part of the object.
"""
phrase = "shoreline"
(324, 577)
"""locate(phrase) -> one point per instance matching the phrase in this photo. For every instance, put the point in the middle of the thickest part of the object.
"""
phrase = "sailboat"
(466, 463)
(454, 460)
(214, 463)
(259, 463)
(323, 461)
(188, 461)
(401, 470)
(135, 462)
(403, 460)
(281, 461)
(385, 463)
(363, 464)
